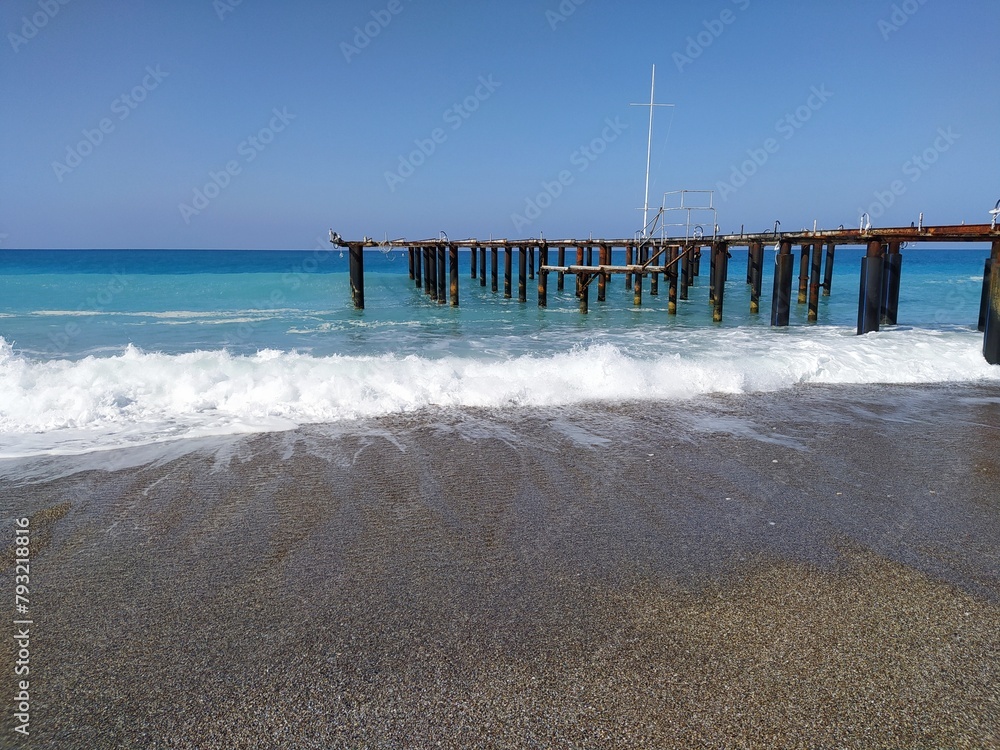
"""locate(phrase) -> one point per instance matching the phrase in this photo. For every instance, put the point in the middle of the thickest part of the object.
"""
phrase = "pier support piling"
(991, 336)
(695, 266)
(522, 271)
(473, 257)
(482, 266)
(831, 251)
(417, 280)
(579, 276)
(984, 302)
(357, 273)
(870, 298)
(629, 257)
(493, 270)
(453, 267)
(781, 299)
(531, 262)
(804, 274)
(672, 254)
(583, 284)
(892, 268)
(602, 279)
(720, 252)
(756, 253)
(432, 277)
(409, 251)
(561, 262)
(543, 276)
(442, 268)
(685, 279)
(506, 271)
(814, 283)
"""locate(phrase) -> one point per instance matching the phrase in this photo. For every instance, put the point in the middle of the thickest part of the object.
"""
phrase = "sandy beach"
(807, 569)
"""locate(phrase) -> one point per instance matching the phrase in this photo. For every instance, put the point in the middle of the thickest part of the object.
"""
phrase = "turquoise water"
(106, 348)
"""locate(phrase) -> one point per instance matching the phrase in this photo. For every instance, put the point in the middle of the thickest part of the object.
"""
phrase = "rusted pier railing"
(433, 266)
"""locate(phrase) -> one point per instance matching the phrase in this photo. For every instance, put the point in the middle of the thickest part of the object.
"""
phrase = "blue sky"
(253, 124)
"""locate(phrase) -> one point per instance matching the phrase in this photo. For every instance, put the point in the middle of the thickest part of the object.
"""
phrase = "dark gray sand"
(814, 569)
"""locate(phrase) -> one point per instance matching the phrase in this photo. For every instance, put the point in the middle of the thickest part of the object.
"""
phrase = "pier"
(434, 267)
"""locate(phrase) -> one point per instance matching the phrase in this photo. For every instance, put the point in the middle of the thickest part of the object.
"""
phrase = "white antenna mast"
(649, 148)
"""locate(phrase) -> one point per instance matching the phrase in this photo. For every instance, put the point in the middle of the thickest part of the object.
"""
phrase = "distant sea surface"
(104, 349)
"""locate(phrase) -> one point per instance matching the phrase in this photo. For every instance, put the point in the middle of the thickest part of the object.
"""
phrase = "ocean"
(104, 349)
(257, 517)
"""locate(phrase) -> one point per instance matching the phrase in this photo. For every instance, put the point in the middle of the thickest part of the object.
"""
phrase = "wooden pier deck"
(433, 265)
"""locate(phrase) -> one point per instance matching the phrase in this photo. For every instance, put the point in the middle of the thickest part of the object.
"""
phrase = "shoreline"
(808, 567)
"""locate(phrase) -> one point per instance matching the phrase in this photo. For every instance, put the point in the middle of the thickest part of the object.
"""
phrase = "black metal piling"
(814, 283)
(695, 266)
(472, 262)
(781, 298)
(409, 251)
(711, 277)
(756, 253)
(453, 267)
(493, 270)
(602, 279)
(984, 302)
(430, 277)
(561, 262)
(506, 271)
(628, 262)
(870, 297)
(417, 255)
(531, 261)
(991, 335)
(891, 273)
(672, 255)
(357, 274)
(442, 269)
(543, 276)
(654, 278)
(804, 274)
(720, 272)
(685, 280)
(831, 251)
(482, 266)
(522, 274)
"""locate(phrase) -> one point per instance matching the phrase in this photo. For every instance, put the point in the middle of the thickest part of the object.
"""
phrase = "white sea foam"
(134, 397)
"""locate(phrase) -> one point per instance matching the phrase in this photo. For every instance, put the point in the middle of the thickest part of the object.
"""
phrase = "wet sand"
(814, 569)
